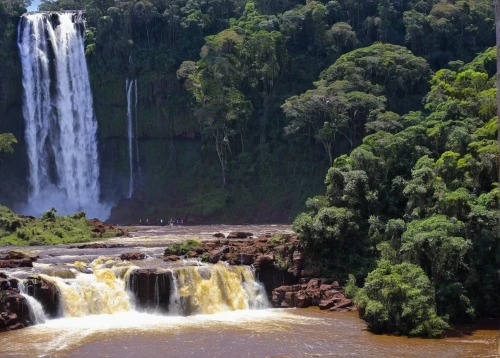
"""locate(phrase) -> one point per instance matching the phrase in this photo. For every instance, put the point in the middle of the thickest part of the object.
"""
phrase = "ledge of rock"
(96, 246)
(277, 261)
(129, 256)
(45, 292)
(321, 292)
(14, 309)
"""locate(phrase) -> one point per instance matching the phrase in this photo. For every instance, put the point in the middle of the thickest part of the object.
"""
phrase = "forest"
(248, 105)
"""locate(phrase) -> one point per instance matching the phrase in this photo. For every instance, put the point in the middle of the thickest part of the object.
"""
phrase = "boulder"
(130, 256)
(172, 258)
(341, 304)
(14, 311)
(16, 263)
(220, 235)
(215, 256)
(239, 235)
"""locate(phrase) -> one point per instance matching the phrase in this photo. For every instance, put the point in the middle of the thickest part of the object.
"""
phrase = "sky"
(34, 5)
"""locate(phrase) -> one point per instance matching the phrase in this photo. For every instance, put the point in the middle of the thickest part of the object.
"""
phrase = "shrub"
(400, 298)
(182, 248)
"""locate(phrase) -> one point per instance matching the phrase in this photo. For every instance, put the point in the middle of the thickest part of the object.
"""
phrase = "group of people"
(162, 222)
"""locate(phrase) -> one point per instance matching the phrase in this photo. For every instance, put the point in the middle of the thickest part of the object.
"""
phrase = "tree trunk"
(497, 22)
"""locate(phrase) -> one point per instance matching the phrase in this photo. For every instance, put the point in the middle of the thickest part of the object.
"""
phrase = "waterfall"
(130, 135)
(98, 293)
(37, 313)
(59, 118)
(131, 89)
(218, 288)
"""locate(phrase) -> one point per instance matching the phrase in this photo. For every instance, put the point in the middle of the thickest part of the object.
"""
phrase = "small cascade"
(218, 288)
(36, 311)
(175, 307)
(131, 89)
(99, 293)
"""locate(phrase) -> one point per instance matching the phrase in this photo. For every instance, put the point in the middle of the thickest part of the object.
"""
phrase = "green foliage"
(418, 195)
(400, 298)
(182, 248)
(49, 230)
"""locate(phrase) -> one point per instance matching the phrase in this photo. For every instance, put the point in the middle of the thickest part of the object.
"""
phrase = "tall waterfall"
(131, 89)
(58, 112)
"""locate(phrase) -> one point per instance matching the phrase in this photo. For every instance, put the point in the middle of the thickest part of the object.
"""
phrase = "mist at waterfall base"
(59, 118)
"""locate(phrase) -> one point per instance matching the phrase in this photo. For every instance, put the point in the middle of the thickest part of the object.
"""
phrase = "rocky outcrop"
(44, 292)
(14, 309)
(13, 259)
(96, 246)
(239, 235)
(101, 228)
(151, 288)
(278, 260)
(130, 256)
(321, 292)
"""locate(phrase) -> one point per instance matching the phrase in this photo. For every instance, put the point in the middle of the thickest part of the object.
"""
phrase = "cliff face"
(177, 173)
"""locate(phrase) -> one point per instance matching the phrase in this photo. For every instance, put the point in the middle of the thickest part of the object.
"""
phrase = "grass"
(49, 230)
(182, 248)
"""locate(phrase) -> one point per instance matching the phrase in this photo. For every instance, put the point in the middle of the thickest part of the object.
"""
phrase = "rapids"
(195, 310)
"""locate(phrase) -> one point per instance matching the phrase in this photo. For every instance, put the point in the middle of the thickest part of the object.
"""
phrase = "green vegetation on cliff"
(51, 229)
(231, 125)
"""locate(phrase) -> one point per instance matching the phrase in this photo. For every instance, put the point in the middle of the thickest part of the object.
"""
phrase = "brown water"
(241, 333)
(265, 333)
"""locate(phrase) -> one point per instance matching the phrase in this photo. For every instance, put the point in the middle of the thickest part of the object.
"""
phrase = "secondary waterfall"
(131, 89)
(58, 112)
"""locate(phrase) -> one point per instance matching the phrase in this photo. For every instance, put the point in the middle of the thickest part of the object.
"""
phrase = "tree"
(399, 298)
(6, 142)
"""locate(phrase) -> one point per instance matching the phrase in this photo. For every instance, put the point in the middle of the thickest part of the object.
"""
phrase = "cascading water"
(37, 313)
(58, 112)
(131, 89)
(120, 287)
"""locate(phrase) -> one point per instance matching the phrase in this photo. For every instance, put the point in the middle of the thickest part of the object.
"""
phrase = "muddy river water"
(241, 333)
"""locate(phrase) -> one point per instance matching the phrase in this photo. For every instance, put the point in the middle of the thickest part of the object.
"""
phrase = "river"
(241, 333)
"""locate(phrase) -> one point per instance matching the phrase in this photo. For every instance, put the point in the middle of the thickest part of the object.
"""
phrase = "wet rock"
(96, 246)
(151, 289)
(239, 235)
(343, 303)
(220, 235)
(214, 256)
(131, 256)
(16, 263)
(172, 258)
(244, 259)
(14, 311)
(46, 293)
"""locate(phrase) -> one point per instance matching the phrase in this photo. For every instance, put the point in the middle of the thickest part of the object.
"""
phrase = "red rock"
(172, 258)
(325, 287)
(302, 300)
(129, 256)
(290, 299)
(214, 256)
(239, 235)
(344, 303)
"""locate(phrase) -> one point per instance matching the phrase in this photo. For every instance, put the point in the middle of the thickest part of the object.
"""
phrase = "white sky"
(34, 5)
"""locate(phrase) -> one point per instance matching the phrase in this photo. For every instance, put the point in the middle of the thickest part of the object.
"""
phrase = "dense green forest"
(245, 105)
